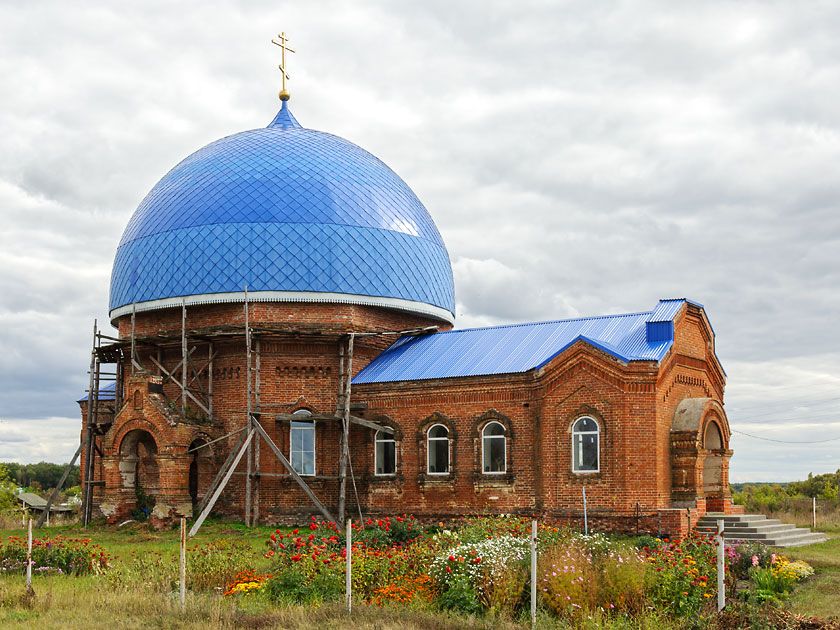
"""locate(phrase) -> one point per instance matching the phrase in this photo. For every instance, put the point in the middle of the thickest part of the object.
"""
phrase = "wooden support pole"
(184, 358)
(210, 357)
(255, 515)
(182, 566)
(345, 436)
(93, 404)
(585, 514)
(292, 472)
(218, 491)
(184, 389)
(249, 460)
(46, 513)
(220, 473)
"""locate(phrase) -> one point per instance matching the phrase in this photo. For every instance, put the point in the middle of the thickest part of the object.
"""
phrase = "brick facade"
(661, 465)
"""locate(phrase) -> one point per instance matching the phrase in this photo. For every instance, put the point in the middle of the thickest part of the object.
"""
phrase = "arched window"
(493, 451)
(302, 439)
(437, 447)
(384, 453)
(585, 445)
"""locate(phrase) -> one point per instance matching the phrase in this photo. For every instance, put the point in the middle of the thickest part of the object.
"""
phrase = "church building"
(286, 346)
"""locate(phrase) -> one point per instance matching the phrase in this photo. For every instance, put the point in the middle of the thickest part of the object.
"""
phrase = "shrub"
(215, 564)
(71, 556)
(149, 571)
(460, 596)
(568, 582)
(624, 579)
(685, 575)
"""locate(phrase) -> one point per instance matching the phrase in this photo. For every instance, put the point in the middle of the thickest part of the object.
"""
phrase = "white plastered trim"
(418, 308)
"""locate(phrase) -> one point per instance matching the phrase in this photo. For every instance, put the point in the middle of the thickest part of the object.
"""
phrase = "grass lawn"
(820, 595)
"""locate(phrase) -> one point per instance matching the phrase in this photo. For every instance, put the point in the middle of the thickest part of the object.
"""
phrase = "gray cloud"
(579, 158)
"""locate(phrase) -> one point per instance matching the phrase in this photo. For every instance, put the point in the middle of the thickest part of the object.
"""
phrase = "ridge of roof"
(540, 323)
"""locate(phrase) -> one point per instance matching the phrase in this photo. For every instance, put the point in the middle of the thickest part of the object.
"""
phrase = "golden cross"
(283, 43)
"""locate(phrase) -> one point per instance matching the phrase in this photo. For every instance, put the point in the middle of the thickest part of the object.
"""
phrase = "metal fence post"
(585, 516)
(29, 557)
(182, 569)
(348, 582)
(534, 573)
(721, 566)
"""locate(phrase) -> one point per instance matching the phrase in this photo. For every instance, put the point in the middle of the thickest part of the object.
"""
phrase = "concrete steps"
(759, 528)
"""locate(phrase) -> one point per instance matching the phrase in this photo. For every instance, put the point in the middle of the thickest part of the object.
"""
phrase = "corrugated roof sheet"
(106, 392)
(517, 348)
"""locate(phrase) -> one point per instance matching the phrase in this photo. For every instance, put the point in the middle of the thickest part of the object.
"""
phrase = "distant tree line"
(40, 476)
(789, 497)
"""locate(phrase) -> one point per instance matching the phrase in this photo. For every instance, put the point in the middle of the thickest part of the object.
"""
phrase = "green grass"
(819, 595)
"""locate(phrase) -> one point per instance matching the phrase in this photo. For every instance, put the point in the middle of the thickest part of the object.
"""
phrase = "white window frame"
(429, 450)
(597, 433)
(503, 438)
(388, 437)
(304, 413)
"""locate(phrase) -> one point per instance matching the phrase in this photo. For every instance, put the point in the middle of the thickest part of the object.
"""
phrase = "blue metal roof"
(106, 392)
(282, 209)
(519, 348)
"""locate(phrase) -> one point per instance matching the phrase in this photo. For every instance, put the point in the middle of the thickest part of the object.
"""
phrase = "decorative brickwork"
(662, 432)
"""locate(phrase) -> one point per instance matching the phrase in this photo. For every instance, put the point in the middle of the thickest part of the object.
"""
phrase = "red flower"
(296, 557)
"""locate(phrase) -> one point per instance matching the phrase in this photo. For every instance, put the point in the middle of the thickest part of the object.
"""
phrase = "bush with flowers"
(773, 582)
(69, 556)
(245, 582)
(494, 569)
(685, 575)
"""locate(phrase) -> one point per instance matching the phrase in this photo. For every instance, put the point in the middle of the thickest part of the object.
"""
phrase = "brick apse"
(269, 265)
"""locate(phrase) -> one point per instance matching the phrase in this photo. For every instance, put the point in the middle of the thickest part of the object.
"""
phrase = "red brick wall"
(633, 404)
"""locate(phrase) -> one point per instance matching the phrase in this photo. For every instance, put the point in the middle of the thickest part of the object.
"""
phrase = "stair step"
(759, 528)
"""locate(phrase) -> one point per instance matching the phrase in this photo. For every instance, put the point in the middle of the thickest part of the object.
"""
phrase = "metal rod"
(182, 566)
(534, 573)
(29, 556)
(197, 525)
(348, 566)
(721, 568)
(585, 515)
(227, 435)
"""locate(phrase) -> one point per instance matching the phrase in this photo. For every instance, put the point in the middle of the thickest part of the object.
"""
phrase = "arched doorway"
(713, 463)
(139, 468)
(201, 469)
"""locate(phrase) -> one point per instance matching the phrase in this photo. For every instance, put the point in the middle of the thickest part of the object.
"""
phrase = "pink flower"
(772, 558)
(755, 561)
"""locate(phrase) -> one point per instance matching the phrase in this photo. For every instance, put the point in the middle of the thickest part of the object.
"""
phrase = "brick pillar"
(173, 499)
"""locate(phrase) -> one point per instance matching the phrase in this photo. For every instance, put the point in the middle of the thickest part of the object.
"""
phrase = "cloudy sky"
(579, 158)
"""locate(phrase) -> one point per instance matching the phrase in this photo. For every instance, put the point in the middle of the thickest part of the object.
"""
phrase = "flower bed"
(69, 556)
(481, 566)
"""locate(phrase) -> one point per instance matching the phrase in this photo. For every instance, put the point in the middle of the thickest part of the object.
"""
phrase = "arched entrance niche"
(700, 456)
(138, 465)
(201, 468)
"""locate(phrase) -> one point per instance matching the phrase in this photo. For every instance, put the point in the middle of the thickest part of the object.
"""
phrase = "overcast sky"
(579, 158)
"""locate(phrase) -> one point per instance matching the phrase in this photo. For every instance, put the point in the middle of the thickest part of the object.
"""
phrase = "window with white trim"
(384, 453)
(437, 449)
(586, 455)
(493, 449)
(302, 441)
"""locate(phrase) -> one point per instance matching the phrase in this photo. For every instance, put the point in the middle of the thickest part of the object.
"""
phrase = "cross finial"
(283, 43)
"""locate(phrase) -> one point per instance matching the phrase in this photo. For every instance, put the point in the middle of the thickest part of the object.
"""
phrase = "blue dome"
(291, 213)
